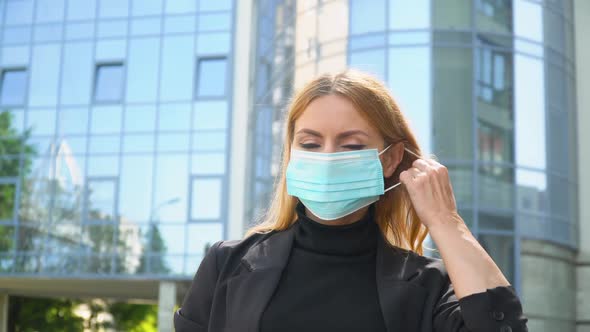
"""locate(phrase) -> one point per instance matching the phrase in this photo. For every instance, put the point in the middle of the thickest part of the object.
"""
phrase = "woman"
(341, 246)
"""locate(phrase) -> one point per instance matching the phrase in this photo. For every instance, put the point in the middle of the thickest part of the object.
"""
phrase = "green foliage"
(39, 314)
(134, 317)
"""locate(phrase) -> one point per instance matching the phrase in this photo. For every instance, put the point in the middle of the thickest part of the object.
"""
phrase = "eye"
(309, 145)
(354, 146)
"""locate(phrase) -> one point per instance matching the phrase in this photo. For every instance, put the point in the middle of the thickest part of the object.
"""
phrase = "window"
(108, 82)
(367, 16)
(211, 77)
(100, 199)
(13, 87)
(206, 198)
(8, 195)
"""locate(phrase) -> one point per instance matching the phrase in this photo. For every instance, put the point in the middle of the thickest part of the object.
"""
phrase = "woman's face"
(332, 124)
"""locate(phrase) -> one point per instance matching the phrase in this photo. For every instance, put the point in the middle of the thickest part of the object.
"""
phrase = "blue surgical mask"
(333, 185)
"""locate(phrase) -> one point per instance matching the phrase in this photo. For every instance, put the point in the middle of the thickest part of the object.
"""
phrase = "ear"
(391, 159)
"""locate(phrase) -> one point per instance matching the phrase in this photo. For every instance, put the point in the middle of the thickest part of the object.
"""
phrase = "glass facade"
(487, 85)
(115, 120)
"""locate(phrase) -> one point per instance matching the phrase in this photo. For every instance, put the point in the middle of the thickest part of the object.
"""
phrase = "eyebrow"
(341, 135)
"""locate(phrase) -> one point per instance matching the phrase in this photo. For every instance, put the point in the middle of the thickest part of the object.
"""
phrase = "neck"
(346, 220)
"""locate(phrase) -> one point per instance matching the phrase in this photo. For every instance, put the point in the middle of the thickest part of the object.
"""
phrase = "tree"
(134, 317)
(156, 245)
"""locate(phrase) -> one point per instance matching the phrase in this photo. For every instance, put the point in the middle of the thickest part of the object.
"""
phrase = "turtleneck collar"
(356, 238)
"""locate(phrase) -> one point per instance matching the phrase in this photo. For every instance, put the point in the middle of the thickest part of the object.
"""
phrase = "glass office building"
(114, 135)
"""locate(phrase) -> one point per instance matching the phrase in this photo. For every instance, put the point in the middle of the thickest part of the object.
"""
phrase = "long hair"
(394, 213)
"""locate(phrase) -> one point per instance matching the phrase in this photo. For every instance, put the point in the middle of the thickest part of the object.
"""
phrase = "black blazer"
(236, 280)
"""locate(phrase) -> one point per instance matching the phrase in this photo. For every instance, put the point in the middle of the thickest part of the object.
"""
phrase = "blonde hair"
(394, 213)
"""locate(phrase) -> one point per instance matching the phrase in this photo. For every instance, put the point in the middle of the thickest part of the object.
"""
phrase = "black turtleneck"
(329, 281)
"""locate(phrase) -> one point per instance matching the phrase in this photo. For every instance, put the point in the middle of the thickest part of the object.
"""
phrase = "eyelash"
(349, 146)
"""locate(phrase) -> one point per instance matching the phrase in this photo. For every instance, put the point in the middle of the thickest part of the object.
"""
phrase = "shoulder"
(230, 252)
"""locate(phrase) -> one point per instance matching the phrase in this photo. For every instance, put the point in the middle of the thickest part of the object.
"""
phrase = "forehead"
(332, 113)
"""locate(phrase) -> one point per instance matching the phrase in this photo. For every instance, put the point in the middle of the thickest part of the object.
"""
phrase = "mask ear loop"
(397, 184)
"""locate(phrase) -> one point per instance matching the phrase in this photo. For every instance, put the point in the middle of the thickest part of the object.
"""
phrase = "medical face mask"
(333, 185)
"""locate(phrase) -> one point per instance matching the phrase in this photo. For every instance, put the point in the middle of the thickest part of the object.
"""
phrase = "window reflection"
(45, 70)
(210, 115)
(49, 11)
(409, 79)
(201, 236)
(370, 61)
(531, 190)
(108, 83)
(209, 141)
(41, 122)
(180, 6)
(146, 7)
(206, 5)
(173, 142)
(19, 12)
(178, 63)
(409, 14)
(136, 188)
(496, 189)
(211, 77)
(213, 43)
(142, 72)
(100, 200)
(81, 10)
(173, 239)
(501, 249)
(113, 8)
(206, 198)
(494, 15)
(179, 24)
(174, 117)
(529, 110)
(214, 22)
(528, 20)
(367, 16)
(77, 74)
(451, 14)
(494, 77)
(171, 188)
(13, 87)
(106, 119)
(208, 163)
(452, 103)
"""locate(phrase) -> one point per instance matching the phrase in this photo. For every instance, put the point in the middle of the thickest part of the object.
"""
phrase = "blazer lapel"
(399, 298)
(249, 292)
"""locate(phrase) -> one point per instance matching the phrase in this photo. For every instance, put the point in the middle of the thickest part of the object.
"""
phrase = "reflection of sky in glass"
(106, 119)
(171, 176)
(177, 68)
(109, 80)
(372, 61)
(529, 112)
(212, 74)
(136, 187)
(44, 79)
(13, 84)
(76, 80)
(409, 80)
(528, 20)
(142, 72)
(367, 16)
(140, 118)
(409, 14)
(206, 200)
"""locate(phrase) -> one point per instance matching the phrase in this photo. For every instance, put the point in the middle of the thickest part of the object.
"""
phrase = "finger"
(422, 165)
(414, 172)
